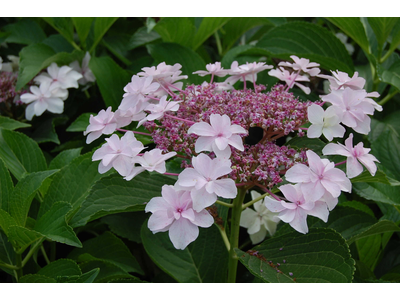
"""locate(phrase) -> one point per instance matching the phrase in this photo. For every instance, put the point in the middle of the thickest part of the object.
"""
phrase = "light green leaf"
(108, 248)
(20, 153)
(12, 124)
(176, 30)
(322, 255)
(23, 194)
(101, 26)
(21, 237)
(110, 78)
(82, 27)
(113, 194)
(354, 28)
(64, 158)
(189, 265)
(25, 31)
(208, 27)
(310, 41)
(81, 123)
(53, 225)
(72, 183)
(172, 53)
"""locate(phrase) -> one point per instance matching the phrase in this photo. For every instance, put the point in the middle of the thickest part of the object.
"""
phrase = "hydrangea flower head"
(302, 64)
(291, 79)
(62, 77)
(246, 72)
(341, 80)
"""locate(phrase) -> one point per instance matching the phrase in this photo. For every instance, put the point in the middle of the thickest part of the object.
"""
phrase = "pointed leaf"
(63, 25)
(6, 186)
(382, 26)
(12, 124)
(101, 26)
(208, 27)
(25, 31)
(36, 278)
(21, 237)
(176, 30)
(60, 267)
(82, 27)
(81, 123)
(64, 158)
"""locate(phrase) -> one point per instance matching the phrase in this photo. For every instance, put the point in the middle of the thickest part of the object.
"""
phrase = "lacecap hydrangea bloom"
(230, 137)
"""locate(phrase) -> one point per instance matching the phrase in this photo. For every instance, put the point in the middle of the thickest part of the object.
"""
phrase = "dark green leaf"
(207, 28)
(310, 41)
(113, 194)
(20, 153)
(107, 248)
(141, 37)
(193, 264)
(64, 158)
(46, 131)
(60, 267)
(25, 31)
(12, 124)
(111, 79)
(6, 186)
(382, 26)
(82, 27)
(107, 271)
(171, 54)
(306, 143)
(63, 25)
(81, 123)
(367, 177)
(53, 225)
(7, 254)
(58, 43)
(21, 237)
(322, 255)
(36, 278)
(392, 75)
(176, 30)
(101, 26)
(378, 192)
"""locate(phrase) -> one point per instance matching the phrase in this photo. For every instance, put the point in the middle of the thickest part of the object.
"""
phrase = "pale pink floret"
(87, 74)
(103, 123)
(64, 77)
(321, 176)
(355, 155)
(246, 72)
(302, 64)
(118, 153)
(218, 135)
(42, 98)
(174, 212)
(158, 110)
(151, 161)
(291, 79)
(213, 69)
(137, 90)
(295, 212)
(355, 107)
(203, 183)
(341, 80)
(325, 122)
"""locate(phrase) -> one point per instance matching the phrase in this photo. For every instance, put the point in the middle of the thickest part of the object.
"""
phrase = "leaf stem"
(224, 203)
(218, 41)
(387, 97)
(224, 237)
(254, 201)
(8, 266)
(234, 237)
(46, 258)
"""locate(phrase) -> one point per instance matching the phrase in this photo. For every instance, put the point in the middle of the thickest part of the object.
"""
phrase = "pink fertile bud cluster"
(8, 94)
(207, 125)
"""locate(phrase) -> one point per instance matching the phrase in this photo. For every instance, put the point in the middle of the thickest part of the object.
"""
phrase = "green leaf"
(110, 78)
(81, 123)
(12, 124)
(58, 43)
(23, 194)
(82, 27)
(117, 45)
(60, 267)
(107, 271)
(390, 122)
(382, 26)
(63, 25)
(193, 264)
(20, 153)
(72, 183)
(392, 75)
(304, 142)
(6, 186)
(87, 277)
(310, 41)
(7, 254)
(395, 37)
(176, 30)
(101, 26)
(322, 255)
(367, 177)
(36, 278)
(236, 27)
(107, 248)
(141, 37)
(380, 227)
(53, 225)
(208, 27)
(113, 194)
(354, 28)
(25, 31)
(21, 237)
(126, 225)
(378, 192)
(369, 249)
(64, 158)
(171, 54)
(46, 131)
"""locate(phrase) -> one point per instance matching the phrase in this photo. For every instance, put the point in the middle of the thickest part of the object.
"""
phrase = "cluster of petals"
(63, 77)
(118, 153)
(166, 75)
(291, 78)
(203, 181)
(297, 208)
(318, 178)
(173, 212)
(325, 122)
(84, 70)
(44, 97)
(302, 64)
(355, 155)
(341, 80)
(152, 160)
(158, 110)
(137, 90)
(259, 220)
(246, 72)
(355, 107)
(214, 70)
(218, 135)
